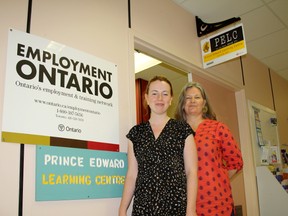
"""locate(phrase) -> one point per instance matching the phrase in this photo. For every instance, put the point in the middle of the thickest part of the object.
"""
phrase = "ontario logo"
(62, 127)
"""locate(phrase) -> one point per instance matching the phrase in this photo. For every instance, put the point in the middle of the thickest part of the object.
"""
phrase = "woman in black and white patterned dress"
(162, 160)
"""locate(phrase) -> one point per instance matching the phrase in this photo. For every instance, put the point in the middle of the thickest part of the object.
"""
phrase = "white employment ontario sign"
(55, 90)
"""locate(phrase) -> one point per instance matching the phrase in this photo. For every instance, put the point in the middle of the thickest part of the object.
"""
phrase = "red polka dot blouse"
(218, 152)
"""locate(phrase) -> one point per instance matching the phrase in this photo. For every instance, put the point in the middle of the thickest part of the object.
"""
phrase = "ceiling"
(265, 24)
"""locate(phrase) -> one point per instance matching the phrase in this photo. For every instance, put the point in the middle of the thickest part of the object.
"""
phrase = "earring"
(205, 109)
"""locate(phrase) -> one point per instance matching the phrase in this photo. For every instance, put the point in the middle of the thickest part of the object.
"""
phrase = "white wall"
(273, 198)
(9, 153)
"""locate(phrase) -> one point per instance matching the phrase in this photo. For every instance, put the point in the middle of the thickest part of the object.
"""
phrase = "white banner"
(55, 90)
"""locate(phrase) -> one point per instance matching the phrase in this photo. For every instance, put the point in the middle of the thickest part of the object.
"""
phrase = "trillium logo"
(61, 127)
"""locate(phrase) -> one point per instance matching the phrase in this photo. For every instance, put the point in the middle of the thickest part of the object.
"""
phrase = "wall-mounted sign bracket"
(205, 28)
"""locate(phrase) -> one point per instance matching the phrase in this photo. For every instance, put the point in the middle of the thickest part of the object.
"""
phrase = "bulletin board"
(265, 138)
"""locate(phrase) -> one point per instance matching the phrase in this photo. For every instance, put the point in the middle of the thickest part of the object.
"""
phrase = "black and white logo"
(61, 127)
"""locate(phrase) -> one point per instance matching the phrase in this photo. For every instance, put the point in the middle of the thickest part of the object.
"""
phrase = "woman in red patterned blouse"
(219, 157)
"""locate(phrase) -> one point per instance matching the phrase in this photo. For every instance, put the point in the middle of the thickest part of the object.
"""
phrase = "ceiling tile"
(267, 1)
(277, 62)
(280, 8)
(284, 74)
(211, 11)
(178, 1)
(259, 23)
(270, 45)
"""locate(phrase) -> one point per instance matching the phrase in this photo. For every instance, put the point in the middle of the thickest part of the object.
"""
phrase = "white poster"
(54, 90)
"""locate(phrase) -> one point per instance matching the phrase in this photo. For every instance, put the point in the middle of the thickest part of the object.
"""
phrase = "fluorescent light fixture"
(143, 62)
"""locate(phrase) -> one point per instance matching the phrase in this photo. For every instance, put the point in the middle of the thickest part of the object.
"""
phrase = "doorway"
(177, 78)
(222, 98)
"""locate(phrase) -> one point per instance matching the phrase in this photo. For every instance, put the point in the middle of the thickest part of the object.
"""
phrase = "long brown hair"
(180, 112)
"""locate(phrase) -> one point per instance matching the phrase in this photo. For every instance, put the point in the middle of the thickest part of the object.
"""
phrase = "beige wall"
(167, 26)
(280, 92)
(229, 72)
(101, 28)
(10, 16)
(257, 82)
